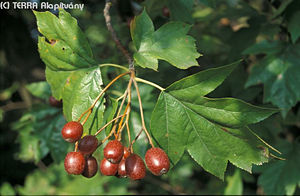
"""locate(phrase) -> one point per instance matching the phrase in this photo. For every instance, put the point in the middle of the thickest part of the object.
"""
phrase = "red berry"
(91, 167)
(54, 102)
(135, 167)
(113, 151)
(166, 12)
(121, 168)
(107, 168)
(157, 161)
(74, 163)
(126, 153)
(72, 131)
(88, 144)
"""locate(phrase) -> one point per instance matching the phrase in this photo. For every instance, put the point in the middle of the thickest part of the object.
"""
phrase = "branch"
(114, 35)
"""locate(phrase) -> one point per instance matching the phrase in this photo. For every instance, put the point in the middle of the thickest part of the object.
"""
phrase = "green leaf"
(169, 43)
(282, 177)
(281, 77)
(39, 89)
(202, 83)
(294, 26)
(55, 181)
(69, 48)
(71, 72)
(265, 47)
(31, 149)
(7, 189)
(234, 184)
(186, 121)
(1, 115)
(181, 10)
(39, 133)
(8, 92)
(229, 112)
(110, 113)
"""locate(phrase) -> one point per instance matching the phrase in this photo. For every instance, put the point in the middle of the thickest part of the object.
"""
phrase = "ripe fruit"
(157, 161)
(74, 163)
(54, 102)
(91, 167)
(113, 151)
(121, 168)
(88, 144)
(166, 12)
(135, 167)
(72, 131)
(107, 168)
(126, 153)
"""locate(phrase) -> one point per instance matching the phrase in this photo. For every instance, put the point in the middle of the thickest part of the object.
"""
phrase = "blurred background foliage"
(265, 33)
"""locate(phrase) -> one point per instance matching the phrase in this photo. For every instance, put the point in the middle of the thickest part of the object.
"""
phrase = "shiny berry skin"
(126, 153)
(135, 167)
(121, 169)
(91, 167)
(72, 131)
(74, 163)
(88, 144)
(113, 151)
(107, 168)
(54, 102)
(157, 161)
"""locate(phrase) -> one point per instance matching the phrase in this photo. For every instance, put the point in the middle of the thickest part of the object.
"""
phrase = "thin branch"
(114, 35)
(150, 83)
(102, 128)
(113, 65)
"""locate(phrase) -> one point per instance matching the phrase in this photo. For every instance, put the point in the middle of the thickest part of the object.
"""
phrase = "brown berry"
(72, 131)
(91, 167)
(88, 144)
(126, 153)
(157, 161)
(107, 168)
(113, 151)
(135, 167)
(121, 169)
(54, 102)
(74, 163)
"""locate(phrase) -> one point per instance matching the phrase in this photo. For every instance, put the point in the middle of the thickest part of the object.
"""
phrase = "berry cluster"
(118, 160)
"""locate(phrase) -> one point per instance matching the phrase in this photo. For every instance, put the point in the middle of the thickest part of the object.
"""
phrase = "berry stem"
(141, 111)
(86, 118)
(76, 146)
(113, 65)
(120, 109)
(102, 128)
(101, 93)
(127, 106)
(133, 141)
(150, 83)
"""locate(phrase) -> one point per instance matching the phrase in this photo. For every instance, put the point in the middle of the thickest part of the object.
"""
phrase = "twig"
(114, 35)
(150, 83)
(14, 106)
(136, 137)
(102, 128)
(113, 65)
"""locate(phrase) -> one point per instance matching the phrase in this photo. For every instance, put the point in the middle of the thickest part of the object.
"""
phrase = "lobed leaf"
(282, 177)
(280, 75)
(169, 43)
(185, 120)
(71, 71)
